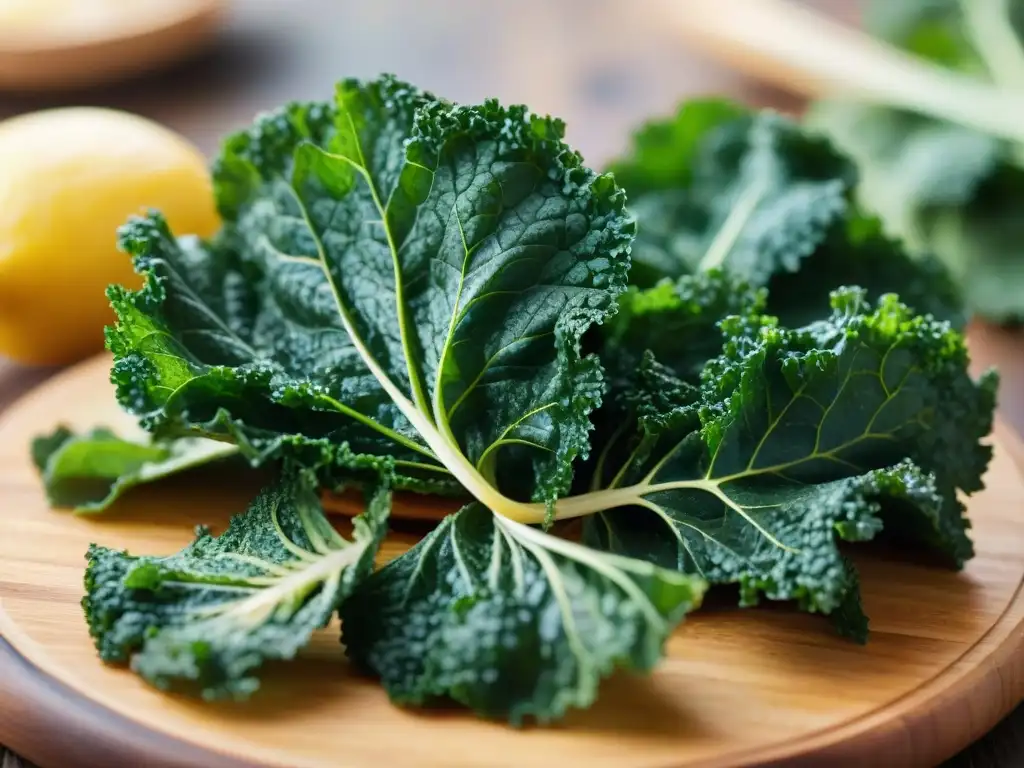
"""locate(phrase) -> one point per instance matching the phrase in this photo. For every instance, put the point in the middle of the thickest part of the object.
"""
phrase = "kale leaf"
(90, 471)
(745, 190)
(510, 621)
(203, 349)
(678, 321)
(205, 619)
(792, 439)
(773, 203)
(400, 276)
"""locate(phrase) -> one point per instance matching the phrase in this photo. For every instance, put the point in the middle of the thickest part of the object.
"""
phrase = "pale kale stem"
(450, 454)
(600, 501)
(989, 26)
(415, 384)
(602, 460)
(635, 495)
(375, 425)
(591, 503)
(276, 569)
(732, 227)
(260, 606)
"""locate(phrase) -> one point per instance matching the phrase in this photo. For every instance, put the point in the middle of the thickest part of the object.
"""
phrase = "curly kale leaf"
(717, 185)
(793, 439)
(207, 618)
(204, 350)
(509, 621)
(942, 186)
(679, 321)
(400, 276)
(720, 186)
(90, 471)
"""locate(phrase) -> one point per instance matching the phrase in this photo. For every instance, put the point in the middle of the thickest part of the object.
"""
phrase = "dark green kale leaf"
(203, 349)
(858, 253)
(981, 242)
(797, 438)
(90, 471)
(667, 154)
(720, 186)
(771, 202)
(400, 276)
(943, 187)
(509, 621)
(207, 618)
(679, 321)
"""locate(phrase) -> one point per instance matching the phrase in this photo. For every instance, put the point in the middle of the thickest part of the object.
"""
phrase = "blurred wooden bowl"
(48, 45)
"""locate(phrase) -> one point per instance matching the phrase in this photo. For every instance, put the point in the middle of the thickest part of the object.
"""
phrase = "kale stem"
(732, 227)
(988, 24)
(814, 55)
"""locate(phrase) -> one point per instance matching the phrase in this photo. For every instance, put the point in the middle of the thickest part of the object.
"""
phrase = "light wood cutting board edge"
(924, 727)
(89, 735)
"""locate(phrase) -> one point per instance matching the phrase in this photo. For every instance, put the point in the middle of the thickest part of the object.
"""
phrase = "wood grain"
(738, 687)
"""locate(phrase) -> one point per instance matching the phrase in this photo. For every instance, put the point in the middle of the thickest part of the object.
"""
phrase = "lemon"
(68, 179)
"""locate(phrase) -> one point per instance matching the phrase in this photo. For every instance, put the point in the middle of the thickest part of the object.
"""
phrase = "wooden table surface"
(602, 65)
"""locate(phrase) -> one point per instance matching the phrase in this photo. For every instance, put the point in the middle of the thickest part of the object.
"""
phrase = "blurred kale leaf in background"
(941, 186)
(754, 192)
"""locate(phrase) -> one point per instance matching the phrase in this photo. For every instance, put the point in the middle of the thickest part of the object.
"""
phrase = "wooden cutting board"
(738, 688)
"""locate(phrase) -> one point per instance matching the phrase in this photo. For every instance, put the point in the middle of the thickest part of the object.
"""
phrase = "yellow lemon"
(68, 179)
